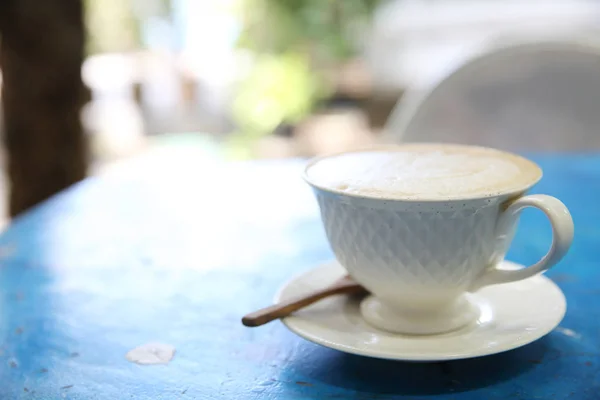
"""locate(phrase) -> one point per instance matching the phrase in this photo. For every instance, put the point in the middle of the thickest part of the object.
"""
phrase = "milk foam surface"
(423, 171)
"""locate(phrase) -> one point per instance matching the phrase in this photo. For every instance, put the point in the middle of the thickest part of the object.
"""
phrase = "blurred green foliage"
(114, 26)
(111, 26)
(294, 43)
(279, 87)
(323, 27)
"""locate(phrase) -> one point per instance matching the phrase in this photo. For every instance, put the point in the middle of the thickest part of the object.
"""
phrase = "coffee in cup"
(423, 226)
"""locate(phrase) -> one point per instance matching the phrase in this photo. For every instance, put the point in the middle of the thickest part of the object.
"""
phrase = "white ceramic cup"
(422, 260)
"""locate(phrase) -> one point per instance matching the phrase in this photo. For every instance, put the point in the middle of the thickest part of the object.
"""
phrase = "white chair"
(541, 96)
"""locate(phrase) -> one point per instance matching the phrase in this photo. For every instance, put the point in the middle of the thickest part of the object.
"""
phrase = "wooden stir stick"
(345, 285)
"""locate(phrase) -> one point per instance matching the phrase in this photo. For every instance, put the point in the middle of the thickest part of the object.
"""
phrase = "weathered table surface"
(178, 253)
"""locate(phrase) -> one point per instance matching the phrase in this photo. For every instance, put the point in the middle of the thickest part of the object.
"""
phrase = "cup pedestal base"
(460, 313)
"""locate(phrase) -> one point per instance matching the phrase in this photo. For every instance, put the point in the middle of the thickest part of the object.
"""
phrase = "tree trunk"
(41, 55)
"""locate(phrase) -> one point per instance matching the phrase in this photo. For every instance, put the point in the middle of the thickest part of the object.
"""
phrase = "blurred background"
(255, 79)
(273, 78)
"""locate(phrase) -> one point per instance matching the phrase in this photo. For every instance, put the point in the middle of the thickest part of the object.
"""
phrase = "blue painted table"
(178, 255)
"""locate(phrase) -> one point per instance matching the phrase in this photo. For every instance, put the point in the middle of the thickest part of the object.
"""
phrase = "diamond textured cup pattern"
(424, 258)
(402, 256)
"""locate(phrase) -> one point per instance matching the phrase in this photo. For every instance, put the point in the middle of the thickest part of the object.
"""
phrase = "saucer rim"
(288, 322)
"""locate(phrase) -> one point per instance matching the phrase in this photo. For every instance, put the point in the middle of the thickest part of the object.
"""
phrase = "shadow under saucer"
(371, 375)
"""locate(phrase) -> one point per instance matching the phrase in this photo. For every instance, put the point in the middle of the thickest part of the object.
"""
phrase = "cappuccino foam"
(425, 172)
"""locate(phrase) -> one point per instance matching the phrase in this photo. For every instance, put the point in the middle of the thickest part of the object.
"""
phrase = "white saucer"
(512, 315)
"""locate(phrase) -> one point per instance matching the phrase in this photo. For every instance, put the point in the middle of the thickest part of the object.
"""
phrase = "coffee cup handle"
(562, 236)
